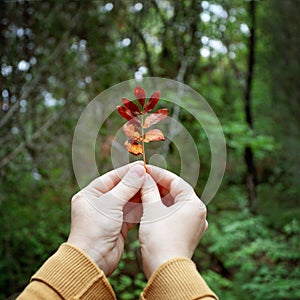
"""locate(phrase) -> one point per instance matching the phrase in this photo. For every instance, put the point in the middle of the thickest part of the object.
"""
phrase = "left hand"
(97, 225)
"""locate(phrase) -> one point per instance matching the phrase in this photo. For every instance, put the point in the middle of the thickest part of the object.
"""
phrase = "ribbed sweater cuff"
(177, 279)
(74, 276)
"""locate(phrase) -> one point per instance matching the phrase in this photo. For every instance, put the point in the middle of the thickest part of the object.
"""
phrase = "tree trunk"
(249, 157)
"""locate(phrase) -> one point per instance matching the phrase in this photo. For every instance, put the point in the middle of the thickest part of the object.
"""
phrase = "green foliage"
(34, 221)
(128, 280)
(262, 258)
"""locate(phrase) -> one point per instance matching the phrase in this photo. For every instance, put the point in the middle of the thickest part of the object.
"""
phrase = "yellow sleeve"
(177, 279)
(68, 274)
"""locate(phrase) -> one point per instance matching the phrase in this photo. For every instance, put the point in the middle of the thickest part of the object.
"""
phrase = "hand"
(97, 225)
(173, 221)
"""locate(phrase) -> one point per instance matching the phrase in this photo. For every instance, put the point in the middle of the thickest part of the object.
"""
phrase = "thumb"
(153, 208)
(129, 185)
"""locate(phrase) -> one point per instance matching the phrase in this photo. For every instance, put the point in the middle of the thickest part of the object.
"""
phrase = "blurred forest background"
(242, 56)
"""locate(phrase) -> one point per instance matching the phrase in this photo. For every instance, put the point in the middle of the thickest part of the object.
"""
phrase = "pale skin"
(172, 219)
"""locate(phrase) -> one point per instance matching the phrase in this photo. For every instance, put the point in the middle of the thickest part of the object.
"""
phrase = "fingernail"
(138, 170)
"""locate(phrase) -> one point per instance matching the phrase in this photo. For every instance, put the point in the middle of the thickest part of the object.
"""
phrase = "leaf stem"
(143, 144)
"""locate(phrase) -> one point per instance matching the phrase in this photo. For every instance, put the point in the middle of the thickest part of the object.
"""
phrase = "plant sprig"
(139, 119)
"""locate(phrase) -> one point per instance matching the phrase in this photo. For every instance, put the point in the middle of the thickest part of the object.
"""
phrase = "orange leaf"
(131, 130)
(133, 147)
(134, 109)
(154, 135)
(152, 102)
(140, 95)
(156, 117)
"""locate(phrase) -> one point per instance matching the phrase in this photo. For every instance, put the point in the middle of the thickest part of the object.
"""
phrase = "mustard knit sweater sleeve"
(70, 274)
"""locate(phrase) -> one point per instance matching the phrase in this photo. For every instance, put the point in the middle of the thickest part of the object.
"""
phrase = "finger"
(111, 204)
(161, 176)
(126, 227)
(150, 192)
(178, 188)
(133, 210)
(153, 207)
(132, 213)
(128, 186)
(109, 180)
(124, 230)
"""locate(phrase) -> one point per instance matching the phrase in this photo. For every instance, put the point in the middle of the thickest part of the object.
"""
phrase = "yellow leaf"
(133, 147)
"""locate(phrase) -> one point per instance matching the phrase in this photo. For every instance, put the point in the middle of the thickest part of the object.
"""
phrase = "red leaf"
(124, 112)
(131, 130)
(154, 135)
(133, 147)
(140, 95)
(152, 102)
(156, 117)
(134, 109)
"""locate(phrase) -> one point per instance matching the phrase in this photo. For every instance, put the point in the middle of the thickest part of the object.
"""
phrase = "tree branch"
(29, 86)
(4, 161)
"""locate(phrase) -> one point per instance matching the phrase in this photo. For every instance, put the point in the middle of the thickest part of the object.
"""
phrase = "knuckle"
(206, 225)
(203, 212)
(200, 209)
(204, 209)
(76, 197)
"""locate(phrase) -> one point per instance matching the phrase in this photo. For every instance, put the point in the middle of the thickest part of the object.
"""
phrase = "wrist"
(89, 250)
(152, 262)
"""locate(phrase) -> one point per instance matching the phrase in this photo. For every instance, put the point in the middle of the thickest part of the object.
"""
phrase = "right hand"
(98, 227)
(173, 221)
